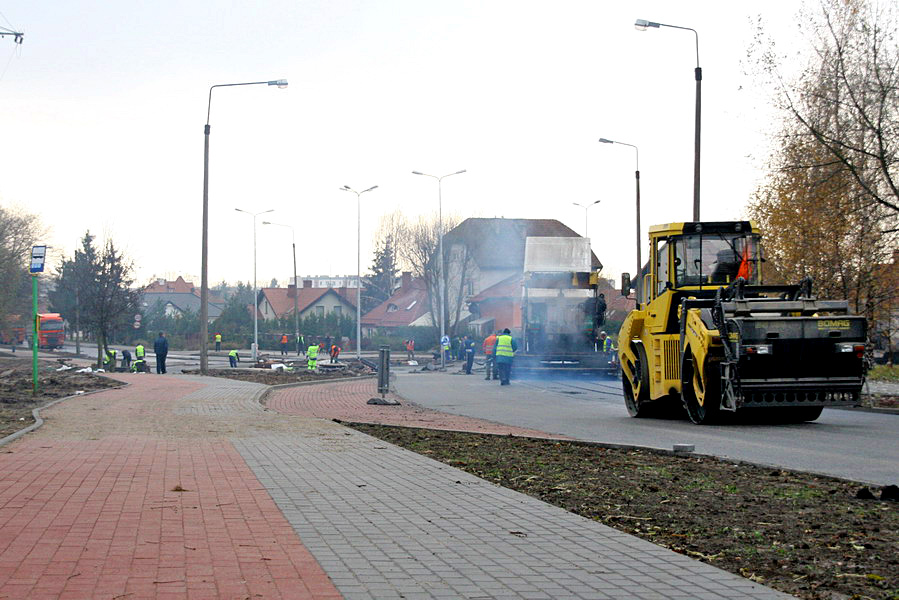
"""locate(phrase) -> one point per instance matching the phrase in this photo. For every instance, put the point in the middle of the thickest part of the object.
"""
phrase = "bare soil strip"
(811, 536)
(16, 384)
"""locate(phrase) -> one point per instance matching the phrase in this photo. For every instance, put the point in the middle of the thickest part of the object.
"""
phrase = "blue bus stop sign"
(38, 254)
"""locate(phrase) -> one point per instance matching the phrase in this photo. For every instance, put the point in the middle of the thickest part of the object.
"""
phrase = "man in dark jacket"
(468, 348)
(161, 348)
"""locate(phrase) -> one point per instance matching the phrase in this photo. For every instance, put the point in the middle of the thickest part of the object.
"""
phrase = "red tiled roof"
(509, 287)
(410, 302)
(179, 286)
(282, 303)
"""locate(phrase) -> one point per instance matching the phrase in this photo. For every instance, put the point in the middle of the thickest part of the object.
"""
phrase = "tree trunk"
(77, 324)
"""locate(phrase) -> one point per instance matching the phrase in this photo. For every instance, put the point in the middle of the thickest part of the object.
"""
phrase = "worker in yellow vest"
(605, 342)
(233, 359)
(503, 354)
(311, 357)
(139, 365)
(110, 360)
(218, 342)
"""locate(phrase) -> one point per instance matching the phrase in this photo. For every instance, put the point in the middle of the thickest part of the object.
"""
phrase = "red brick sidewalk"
(347, 401)
(100, 518)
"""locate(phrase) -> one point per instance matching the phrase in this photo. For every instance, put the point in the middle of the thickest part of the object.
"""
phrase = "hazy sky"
(102, 112)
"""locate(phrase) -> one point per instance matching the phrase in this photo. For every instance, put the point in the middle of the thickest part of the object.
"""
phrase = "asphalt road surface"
(853, 444)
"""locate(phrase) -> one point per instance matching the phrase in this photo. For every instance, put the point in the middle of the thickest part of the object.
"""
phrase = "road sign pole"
(34, 338)
(38, 256)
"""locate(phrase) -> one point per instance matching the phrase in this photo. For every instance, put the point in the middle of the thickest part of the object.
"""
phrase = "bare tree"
(19, 231)
(418, 247)
(846, 97)
(829, 207)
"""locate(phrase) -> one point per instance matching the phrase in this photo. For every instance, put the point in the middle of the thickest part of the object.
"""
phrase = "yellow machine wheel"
(701, 390)
(635, 382)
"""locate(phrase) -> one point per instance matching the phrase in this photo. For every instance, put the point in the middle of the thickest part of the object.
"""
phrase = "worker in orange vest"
(284, 345)
(490, 363)
(335, 352)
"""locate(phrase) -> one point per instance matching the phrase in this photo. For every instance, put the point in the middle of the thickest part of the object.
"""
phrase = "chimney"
(406, 281)
(291, 291)
(307, 283)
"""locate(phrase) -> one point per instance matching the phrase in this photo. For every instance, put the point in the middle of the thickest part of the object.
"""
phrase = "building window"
(392, 308)
(320, 311)
(338, 310)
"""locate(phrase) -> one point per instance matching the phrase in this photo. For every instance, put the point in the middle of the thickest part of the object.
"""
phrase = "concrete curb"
(262, 394)
(611, 446)
(36, 413)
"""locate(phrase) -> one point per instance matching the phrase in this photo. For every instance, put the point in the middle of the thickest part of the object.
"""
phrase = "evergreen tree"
(106, 301)
(379, 285)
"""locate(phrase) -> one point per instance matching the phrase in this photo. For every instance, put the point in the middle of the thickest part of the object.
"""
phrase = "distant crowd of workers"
(499, 351)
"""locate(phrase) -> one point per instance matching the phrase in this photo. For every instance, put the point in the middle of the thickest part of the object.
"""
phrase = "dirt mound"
(299, 374)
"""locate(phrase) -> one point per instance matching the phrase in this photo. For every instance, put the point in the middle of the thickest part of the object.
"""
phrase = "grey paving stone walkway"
(385, 523)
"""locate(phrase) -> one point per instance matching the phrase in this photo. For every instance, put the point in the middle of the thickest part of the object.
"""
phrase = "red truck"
(51, 331)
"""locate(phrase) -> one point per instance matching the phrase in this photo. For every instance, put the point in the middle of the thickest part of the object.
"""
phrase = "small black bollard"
(384, 370)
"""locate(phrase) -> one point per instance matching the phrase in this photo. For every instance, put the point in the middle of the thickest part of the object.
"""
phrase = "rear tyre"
(636, 384)
(702, 397)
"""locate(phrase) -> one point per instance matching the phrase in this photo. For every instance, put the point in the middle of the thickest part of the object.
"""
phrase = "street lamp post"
(204, 276)
(637, 177)
(296, 289)
(347, 188)
(643, 25)
(255, 300)
(441, 283)
(586, 208)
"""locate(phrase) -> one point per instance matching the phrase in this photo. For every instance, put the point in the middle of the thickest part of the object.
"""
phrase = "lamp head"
(374, 187)
(605, 141)
(267, 223)
(281, 83)
(417, 173)
(459, 172)
(643, 24)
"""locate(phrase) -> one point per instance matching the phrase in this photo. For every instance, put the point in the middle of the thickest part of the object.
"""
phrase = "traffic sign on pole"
(38, 255)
